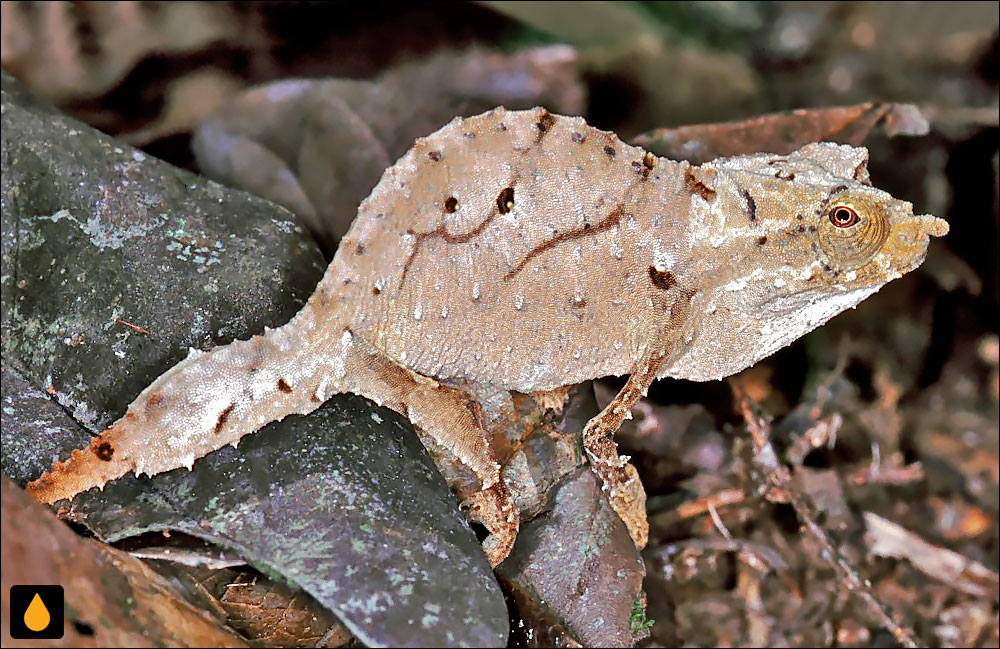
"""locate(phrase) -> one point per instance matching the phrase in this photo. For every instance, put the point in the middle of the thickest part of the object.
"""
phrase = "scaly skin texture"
(523, 251)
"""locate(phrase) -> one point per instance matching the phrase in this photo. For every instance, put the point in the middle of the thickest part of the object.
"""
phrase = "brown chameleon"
(524, 251)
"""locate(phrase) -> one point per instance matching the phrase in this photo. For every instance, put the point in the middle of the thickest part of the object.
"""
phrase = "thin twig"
(779, 477)
(131, 326)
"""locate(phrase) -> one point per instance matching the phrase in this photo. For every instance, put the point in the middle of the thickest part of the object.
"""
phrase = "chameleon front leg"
(621, 480)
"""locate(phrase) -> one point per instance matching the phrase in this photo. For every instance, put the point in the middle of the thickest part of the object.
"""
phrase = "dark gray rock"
(575, 570)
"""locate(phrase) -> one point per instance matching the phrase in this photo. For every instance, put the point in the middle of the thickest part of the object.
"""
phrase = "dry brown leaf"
(269, 612)
(887, 539)
(781, 133)
(111, 598)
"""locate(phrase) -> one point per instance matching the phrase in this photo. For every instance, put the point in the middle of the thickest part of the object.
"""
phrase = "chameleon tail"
(206, 401)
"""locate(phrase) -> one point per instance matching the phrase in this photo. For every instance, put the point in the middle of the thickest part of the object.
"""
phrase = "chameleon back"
(502, 250)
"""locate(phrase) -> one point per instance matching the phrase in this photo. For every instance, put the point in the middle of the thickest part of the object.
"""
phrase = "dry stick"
(779, 477)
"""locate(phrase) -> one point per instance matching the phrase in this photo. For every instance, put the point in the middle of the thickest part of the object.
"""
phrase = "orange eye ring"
(843, 216)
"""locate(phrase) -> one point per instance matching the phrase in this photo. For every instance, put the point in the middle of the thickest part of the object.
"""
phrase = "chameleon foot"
(495, 510)
(625, 491)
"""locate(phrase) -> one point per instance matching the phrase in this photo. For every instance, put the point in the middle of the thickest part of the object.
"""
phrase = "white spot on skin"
(663, 260)
(737, 284)
(444, 311)
(475, 291)
(741, 283)
(337, 364)
(518, 301)
(808, 271)
(417, 312)
(321, 393)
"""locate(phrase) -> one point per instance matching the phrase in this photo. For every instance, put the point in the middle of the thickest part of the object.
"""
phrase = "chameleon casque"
(525, 251)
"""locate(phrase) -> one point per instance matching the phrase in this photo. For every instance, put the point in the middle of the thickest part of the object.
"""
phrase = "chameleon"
(523, 252)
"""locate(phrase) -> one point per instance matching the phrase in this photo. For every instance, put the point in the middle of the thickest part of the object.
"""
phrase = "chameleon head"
(802, 237)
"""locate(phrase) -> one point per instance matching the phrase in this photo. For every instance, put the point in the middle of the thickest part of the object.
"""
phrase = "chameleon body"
(524, 251)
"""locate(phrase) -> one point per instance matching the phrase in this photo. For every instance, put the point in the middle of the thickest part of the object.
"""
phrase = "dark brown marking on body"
(505, 201)
(610, 151)
(451, 205)
(780, 176)
(661, 279)
(544, 123)
(283, 386)
(314, 398)
(859, 169)
(104, 451)
(376, 290)
(434, 155)
(761, 240)
(645, 166)
(649, 161)
(223, 416)
(447, 237)
(359, 249)
(695, 186)
(608, 222)
(154, 399)
(751, 205)
(579, 138)
(776, 160)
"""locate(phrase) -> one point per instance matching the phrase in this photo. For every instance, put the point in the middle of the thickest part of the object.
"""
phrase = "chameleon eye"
(849, 241)
(843, 216)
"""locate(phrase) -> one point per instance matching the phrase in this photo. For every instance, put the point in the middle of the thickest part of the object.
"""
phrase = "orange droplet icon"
(36, 616)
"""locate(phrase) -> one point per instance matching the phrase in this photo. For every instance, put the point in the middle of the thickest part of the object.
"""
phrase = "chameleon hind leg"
(451, 418)
(621, 480)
